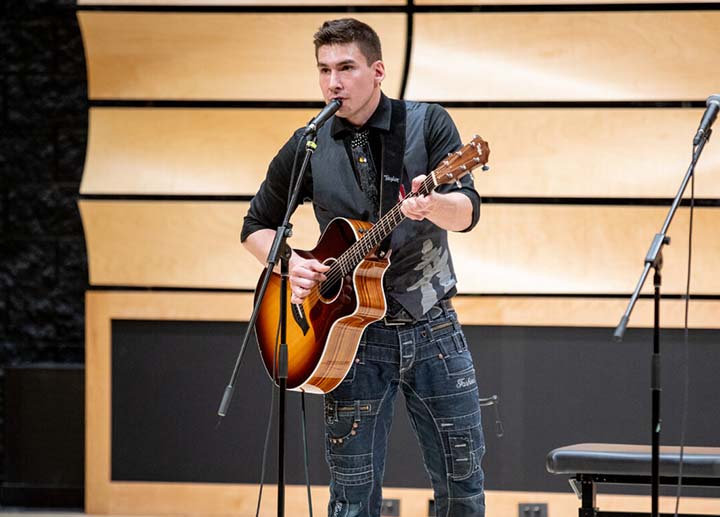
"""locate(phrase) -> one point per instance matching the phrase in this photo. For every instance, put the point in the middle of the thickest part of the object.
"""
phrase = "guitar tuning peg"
(486, 168)
(459, 185)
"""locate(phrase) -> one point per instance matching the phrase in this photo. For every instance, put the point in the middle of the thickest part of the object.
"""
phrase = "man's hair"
(349, 30)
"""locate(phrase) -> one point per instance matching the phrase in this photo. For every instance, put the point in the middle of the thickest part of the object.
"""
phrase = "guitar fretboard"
(349, 260)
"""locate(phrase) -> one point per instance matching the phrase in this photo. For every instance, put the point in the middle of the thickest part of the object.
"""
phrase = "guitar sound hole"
(330, 288)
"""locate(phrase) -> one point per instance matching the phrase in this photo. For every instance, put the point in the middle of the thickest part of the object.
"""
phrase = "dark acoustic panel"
(556, 386)
(167, 381)
(560, 386)
(44, 436)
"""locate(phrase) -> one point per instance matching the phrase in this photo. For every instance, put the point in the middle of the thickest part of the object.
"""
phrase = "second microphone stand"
(654, 260)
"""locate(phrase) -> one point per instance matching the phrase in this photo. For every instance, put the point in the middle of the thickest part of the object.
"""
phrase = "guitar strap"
(393, 157)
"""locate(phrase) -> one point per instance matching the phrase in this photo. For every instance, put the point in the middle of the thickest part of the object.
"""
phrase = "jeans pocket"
(343, 421)
(456, 355)
(350, 376)
(465, 444)
(462, 455)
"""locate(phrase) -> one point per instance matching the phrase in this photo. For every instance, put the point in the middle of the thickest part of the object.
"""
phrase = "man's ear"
(379, 69)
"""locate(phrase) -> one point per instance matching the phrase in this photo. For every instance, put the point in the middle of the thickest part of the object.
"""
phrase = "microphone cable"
(686, 344)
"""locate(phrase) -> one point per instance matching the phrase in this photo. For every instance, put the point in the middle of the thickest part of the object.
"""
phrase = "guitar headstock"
(474, 154)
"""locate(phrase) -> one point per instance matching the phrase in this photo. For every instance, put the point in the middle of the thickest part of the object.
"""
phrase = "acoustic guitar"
(323, 333)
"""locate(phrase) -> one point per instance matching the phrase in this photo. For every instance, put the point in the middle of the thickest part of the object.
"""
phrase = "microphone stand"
(279, 250)
(654, 260)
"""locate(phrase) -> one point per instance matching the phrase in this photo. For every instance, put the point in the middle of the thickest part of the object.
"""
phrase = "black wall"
(43, 271)
(557, 386)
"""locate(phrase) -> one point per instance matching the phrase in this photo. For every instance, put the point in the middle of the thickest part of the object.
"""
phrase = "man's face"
(345, 74)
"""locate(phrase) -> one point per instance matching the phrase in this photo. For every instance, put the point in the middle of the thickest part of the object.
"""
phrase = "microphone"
(322, 117)
(713, 106)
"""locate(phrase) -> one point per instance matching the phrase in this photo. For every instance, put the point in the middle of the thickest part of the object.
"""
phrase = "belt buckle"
(435, 312)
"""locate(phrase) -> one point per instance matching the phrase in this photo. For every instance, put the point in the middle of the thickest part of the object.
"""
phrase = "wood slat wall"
(527, 249)
(184, 151)
(536, 152)
(546, 2)
(174, 244)
(238, 3)
(589, 152)
(564, 56)
(544, 264)
(211, 56)
(243, 3)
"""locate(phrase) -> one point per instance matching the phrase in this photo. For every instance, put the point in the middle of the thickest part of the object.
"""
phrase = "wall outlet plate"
(390, 508)
(532, 510)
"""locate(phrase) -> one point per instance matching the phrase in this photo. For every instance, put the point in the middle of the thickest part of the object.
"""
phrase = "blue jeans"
(430, 361)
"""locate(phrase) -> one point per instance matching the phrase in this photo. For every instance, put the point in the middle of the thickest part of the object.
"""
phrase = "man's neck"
(371, 107)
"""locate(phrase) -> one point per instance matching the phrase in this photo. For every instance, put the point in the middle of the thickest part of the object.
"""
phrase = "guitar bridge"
(298, 312)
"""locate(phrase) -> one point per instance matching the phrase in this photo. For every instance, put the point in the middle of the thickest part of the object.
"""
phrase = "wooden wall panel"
(515, 249)
(572, 56)
(535, 152)
(184, 151)
(581, 250)
(204, 3)
(538, 311)
(207, 56)
(175, 244)
(588, 152)
(548, 2)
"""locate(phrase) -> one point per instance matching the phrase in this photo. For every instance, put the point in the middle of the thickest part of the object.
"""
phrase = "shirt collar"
(380, 119)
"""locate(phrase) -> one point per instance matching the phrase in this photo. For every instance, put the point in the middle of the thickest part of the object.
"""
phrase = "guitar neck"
(455, 166)
(380, 230)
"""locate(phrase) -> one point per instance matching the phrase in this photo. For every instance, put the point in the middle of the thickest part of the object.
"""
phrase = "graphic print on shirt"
(434, 263)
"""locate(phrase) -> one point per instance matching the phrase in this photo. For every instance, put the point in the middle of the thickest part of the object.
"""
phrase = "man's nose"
(334, 83)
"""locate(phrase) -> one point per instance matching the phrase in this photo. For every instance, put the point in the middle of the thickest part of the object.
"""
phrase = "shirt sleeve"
(441, 138)
(267, 207)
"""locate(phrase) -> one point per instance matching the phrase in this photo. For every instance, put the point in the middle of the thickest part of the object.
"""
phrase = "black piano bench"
(588, 464)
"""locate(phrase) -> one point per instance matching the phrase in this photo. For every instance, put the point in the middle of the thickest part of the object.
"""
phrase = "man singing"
(372, 151)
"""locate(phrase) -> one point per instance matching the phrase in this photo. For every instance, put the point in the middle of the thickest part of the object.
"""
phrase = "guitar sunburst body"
(324, 332)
